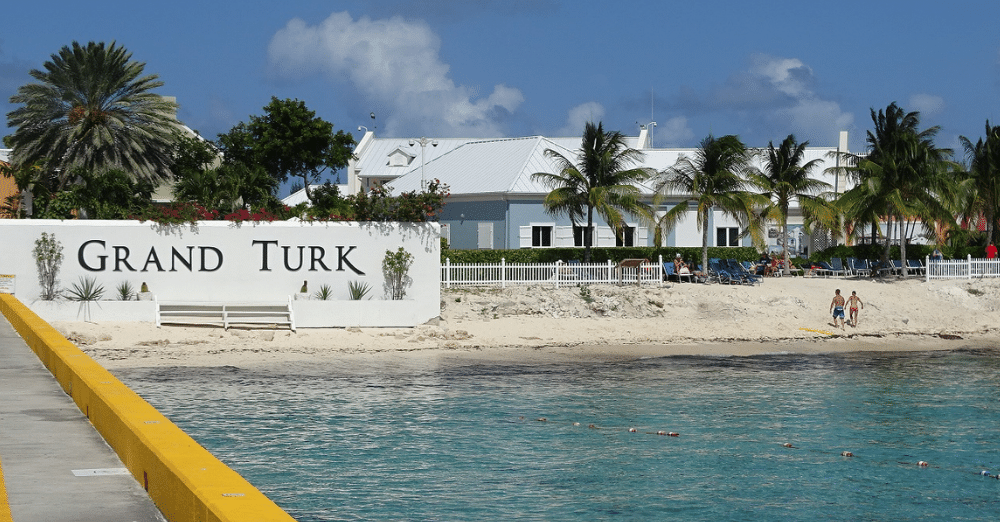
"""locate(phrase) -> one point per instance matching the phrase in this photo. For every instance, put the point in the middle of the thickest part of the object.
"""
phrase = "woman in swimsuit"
(852, 303)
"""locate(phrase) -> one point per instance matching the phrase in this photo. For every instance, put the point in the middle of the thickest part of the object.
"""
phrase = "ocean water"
(451, 440)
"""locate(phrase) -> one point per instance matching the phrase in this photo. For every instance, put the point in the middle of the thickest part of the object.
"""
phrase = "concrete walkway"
(55, 466)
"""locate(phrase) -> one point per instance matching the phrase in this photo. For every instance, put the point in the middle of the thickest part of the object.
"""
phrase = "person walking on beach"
(837, 307)
(852, 305)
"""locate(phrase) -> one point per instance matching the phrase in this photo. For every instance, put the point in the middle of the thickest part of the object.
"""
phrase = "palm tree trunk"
(784, 244)
(704, 245)
(902, 249)
(888, 240)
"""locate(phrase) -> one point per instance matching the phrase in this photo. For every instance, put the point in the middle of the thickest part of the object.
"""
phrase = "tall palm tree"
(786, 177)
(93, 108)
(716, 178)
(599, 180)
(983, 179)
(901, 178)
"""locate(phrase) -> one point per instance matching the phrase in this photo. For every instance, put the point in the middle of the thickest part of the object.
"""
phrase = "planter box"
(95, 311)
(406, 313)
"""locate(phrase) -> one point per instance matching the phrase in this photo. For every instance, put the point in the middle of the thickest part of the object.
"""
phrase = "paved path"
(55, 466)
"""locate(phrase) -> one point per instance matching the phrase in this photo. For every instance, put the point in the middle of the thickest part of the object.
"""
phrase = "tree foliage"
(902, 177)
(601, 179)
(92, 108)
(289, 140)
(716, 178)
(786, 178)
(982, 180)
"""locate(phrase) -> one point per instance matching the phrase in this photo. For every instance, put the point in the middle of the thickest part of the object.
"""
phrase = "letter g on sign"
(83, 259)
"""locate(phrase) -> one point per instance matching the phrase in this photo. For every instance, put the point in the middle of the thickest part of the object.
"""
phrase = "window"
(446, 233)
(485, 236)
(626, 237)
(727, 236)
(578, 235)
(541, 236)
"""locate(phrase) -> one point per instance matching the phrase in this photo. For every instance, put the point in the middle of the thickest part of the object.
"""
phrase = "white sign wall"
(226, 262)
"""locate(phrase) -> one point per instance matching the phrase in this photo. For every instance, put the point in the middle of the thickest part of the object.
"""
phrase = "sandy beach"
(596, 322)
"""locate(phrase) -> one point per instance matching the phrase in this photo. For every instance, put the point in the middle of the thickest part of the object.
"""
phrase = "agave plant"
(358, 290)
(325, 293)
(125, 291)
(86, 289)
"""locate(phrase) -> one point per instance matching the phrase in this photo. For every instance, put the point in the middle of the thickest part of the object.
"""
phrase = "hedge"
(597, 254)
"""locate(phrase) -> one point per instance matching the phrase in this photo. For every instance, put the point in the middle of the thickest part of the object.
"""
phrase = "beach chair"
(838, 266)
(916, 266)
(879, 269)
(668, 271)
(824, 268)
(859, 267)
(849, 266)
(715, 269)
(738, 269)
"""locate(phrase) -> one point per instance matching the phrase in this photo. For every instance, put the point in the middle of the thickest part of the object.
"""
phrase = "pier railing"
(968, 268)
(503, 274)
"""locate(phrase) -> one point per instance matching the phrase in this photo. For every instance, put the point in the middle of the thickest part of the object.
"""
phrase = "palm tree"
(983, 179)
(599, 180)
(716, 178)
(786, 177)
(901, 178)
(93, 109)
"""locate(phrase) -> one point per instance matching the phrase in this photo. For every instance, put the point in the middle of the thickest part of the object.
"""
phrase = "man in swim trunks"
(852, 305)
(837, 307)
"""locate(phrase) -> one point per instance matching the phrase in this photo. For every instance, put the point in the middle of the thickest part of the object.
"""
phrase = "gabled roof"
(505, 165)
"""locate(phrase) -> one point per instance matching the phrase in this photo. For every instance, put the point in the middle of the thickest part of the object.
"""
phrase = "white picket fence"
(967, 268)
(558, 274)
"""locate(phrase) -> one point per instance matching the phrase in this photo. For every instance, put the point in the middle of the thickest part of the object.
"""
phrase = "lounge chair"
(716, 269)
(916, 266)
(838, 266)
(824, 268)
(738, 269)
(859, 267)
(668, 270)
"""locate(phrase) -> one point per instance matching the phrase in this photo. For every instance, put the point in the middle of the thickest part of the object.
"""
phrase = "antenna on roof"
(374, 127)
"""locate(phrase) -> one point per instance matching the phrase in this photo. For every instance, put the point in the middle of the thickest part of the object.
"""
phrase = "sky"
(504, 68)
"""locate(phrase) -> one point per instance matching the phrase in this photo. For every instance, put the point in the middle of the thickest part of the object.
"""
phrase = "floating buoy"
(788, 445)
(984, 473)
(632, 430)
(593, 427)
(661, 433)
(673, 434)
(541, 419)
(846, 454)
(576, 423)
(922, 464)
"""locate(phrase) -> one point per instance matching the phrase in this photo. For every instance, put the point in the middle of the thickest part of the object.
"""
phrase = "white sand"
(612, 322)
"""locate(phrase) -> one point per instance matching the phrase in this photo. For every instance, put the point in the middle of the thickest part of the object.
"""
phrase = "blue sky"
(490, 68)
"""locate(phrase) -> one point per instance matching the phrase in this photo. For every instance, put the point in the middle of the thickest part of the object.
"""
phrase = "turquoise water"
(462, 441)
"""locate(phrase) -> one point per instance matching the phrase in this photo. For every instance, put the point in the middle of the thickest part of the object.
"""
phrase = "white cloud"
(804, 112)
(672, 133)
(788, 75)
(926, 104)
(396, 64)
(578, 118)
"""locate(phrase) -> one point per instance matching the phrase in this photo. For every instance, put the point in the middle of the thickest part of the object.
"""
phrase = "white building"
(495, 203)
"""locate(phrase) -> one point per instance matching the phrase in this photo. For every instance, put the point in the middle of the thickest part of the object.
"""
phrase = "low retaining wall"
(95, 311)
(184, 480)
